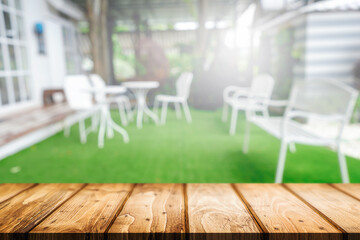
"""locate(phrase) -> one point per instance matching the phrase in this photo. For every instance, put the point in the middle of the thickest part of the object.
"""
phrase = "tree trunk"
(136, 42)
(98, 18)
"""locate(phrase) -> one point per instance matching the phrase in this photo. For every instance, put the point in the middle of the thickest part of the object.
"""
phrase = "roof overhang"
(68, 8)
(323, 6)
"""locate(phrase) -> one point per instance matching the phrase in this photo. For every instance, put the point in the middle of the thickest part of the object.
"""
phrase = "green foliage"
(159, 27)
(180, 62)
(84, 27)
(123, 63)
(121, 28)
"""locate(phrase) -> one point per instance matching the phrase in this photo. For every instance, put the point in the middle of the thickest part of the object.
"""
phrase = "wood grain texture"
(91, 210)
(216, 212)
(351, 189)
(8, 190)
(284, 215)
(340, 208)
(179, 211)
(152, 209)
(23, 212)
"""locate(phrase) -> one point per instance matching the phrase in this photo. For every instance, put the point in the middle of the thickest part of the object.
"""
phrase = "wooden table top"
(180, 211)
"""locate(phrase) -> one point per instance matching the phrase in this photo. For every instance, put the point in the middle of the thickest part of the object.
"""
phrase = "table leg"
(120, 130)
(151, 114)
(142, 108)
(110, 131)
(140, 95)
(106, 122)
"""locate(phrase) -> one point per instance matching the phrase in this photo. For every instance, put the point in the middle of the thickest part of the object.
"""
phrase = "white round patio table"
(106, 122)
(140, 90)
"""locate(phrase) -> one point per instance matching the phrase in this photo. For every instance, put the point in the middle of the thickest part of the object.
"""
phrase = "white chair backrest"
(75, 91)
(183, 84)
(98, 83)
(262, 86)
(325, 97)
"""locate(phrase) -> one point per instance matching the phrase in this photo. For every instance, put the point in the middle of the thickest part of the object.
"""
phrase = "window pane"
(20, 25)
(3, 92)
(5, 2)
(2, 31)
(12, 57)
(8, 28)
(27, 87)
(24, 58)
(17, 89)
(1, 59)
(18, 4)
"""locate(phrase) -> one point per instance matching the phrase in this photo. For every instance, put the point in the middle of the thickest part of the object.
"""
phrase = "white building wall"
(332, 45)
(48, 70)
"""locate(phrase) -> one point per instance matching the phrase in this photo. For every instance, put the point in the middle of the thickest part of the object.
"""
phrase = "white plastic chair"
(228, 95)
(122, 101)
(254, 98)
(183, 84)
(80, 101)
(327, 101)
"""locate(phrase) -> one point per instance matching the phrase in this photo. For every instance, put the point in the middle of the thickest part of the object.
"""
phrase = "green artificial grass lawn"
(177, 152)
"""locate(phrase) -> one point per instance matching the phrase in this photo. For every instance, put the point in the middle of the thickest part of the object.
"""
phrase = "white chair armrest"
(235, 91)
(278, 103)
(312, 115)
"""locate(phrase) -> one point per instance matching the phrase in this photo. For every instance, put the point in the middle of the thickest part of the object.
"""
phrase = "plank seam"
(251, 212)
(117, 213)
(25, 189)
(345, 192)
(55, 209)
(331, 222)
(186, 210)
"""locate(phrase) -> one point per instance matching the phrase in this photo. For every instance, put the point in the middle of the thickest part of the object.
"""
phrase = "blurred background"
(221, 42)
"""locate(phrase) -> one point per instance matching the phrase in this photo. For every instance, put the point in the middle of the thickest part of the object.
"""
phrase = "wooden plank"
(152, 210)
(351, 189)
(9, 190)
(23, 212)
(89, 212)
(216, 212)
(284, 215)
(341, 209)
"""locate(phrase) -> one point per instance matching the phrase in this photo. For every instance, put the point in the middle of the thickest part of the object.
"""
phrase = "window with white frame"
(14, 72)
(72, 55)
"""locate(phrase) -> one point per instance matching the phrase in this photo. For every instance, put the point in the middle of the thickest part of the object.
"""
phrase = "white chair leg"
(281, 163)
(234, 116)
(95, 121)
(121, 131)
(187, 112)
(292, 147)
(343, 167)
(246, 137)
(101, 135)
(225, 112)
(177, 110)
(163, 112)
(122, 113)
(130, 114)
(82, 131)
